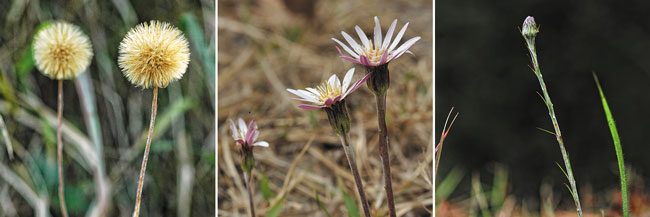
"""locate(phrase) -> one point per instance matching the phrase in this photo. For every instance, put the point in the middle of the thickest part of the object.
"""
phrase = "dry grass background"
(266, 46)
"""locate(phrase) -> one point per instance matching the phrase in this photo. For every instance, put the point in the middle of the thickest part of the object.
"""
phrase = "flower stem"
(59, 150)
(349, 153)
(154, 105)
(248, 178)
(558, 134)
(383, 152)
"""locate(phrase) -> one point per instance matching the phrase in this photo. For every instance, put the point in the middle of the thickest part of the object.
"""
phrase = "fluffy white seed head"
(154, 54)
(62, 51)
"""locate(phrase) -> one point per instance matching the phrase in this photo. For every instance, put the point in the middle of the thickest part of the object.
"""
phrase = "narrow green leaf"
(449, 184)
(321, 205)
(275, 210)
(350, 204)
(264, 187)
(617, 147)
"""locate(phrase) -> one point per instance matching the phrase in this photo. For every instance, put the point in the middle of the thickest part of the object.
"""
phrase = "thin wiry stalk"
(7, 139)
(349, 153)
(143, 169)
(443, 136)
(383, 152)
(59, 150)
(530, 42)
(247, 180)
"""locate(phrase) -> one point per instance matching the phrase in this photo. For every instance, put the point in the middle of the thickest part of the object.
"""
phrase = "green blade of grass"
(276, 209)
(264, 188)
(321, 205)
(617, 147)
(350, 205)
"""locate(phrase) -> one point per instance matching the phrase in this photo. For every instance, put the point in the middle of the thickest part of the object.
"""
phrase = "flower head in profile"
(154, 54)
(376, 51)
(62, 51)
(529, 29)
(329, 92)
(246, 135)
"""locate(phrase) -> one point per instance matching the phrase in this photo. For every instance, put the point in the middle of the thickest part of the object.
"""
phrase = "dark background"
(482, 69)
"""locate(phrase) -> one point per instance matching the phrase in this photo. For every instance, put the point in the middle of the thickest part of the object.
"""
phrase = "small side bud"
(529, 29)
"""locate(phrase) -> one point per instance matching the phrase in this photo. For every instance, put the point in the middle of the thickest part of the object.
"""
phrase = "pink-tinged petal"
(250, 133)
(347, 80)
(407, 45)
(337, 98)
(328, 102)
(350, 59)
(383, 58)
(365, 61)
(309, 107)
(346, 48)
(233, 129)
(358, 84)
(409, 52)
(398, 37)
(389, 35)
(377, 33)
(240, 141)
(362, 36)
(351, 42)
(261, 143)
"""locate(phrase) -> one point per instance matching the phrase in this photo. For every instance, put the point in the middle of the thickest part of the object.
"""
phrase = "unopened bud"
(529, 29)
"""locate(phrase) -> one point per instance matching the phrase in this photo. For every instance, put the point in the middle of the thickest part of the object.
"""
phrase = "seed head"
(62, 51)
(154, 54)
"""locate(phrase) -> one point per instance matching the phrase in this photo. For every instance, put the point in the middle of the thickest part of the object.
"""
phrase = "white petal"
(377, 33)
(314, 91)
(389, 35)
(347, 79)
(362, 36)
(243, 129)
(346, 48)
(233, 129)
(332, 79)
(407, 45)
(309, 96)
(398, 37)
(352, 42)
(261, 143)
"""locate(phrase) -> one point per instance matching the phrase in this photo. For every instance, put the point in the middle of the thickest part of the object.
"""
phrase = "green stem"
(558, 134)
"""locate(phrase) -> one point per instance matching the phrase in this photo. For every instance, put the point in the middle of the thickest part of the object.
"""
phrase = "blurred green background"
(482, 70)
(106, 116)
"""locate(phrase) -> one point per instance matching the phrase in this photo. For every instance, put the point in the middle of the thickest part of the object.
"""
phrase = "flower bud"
(529, 29)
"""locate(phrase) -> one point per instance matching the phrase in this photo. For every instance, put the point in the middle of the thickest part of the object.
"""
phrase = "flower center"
(373, 54)
(328, 90)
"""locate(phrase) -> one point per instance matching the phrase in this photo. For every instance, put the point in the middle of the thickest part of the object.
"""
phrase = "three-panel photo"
(324, 108)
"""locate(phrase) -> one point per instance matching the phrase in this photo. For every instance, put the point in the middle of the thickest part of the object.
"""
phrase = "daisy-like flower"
(327, 93)
(246, 134)
(154, 54)
(62, 51)
(377, 52)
